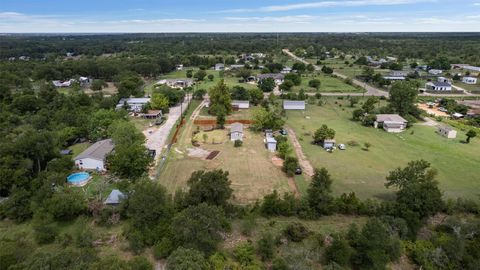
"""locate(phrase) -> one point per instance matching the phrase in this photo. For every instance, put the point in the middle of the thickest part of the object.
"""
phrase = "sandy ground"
(432, 111)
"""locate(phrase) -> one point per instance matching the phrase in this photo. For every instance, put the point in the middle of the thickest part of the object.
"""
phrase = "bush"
(290, 165)
(339, 252)
(265, 247)
(237, 143)
(296, 232)
(163, 249)
(353, 143)
(44, 233)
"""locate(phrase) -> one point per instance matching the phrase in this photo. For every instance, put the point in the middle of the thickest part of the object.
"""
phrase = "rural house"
(391, 122)
(438, 86)
(469, 80)
(398, 73)
(286, 70)
(435, 71)
(236, 132)
(448, 132)
(240, 104)
(277, 77)
(93, 158)
(176, 83)
(443, 79)
(115, 198)
(294, 104)
(219, 66)
(394, 78)
(133, 104)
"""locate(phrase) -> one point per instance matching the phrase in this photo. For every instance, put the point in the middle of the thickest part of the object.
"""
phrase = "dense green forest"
(187, 230)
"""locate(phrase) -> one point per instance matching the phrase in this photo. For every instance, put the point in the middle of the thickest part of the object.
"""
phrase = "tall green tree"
(211, 187)
(319, 192)
(267, 84)
(403, 96)
(220, 99)
(186, 259)
(323, 133)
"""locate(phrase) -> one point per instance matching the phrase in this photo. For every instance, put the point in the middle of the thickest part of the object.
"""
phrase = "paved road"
(157, 140)
(370, 90)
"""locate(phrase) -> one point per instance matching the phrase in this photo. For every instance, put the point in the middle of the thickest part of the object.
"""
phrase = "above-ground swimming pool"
(78, 179)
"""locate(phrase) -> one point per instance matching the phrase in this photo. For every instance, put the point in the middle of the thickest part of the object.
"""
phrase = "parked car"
(341, 146)
(283, 132)
(298, 171)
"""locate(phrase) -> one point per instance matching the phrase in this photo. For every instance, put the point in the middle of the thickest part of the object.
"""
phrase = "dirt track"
(302, 159)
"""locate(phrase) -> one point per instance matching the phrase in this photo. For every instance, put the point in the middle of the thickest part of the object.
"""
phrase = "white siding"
(90, 164)
(272, 147)
(236, 136)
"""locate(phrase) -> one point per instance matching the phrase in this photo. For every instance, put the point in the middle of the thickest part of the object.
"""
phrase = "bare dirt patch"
(277, 161)
(432, 111)
(197, 152)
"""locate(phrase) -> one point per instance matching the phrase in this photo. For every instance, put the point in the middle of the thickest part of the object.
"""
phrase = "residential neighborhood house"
(438, 86)
(277, 77)
(435, 71)
(133, 104)
(176, 83)
(393, 123)
(93, 158)
(236, 131)
(294, 104)
(219, 66)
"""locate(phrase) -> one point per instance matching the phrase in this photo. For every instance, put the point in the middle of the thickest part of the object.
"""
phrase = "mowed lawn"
(252, 172)
(328, 84)
(364, 172)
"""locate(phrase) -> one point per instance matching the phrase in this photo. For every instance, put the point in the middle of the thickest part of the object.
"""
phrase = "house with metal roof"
(277, 77)
(115, 197)
(236, 132)
(93, 158)
(438, 86)
(391, 122)
(133, 104)
(294, 104)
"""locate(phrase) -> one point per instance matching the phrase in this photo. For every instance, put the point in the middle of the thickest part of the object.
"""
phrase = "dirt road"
(302, 159)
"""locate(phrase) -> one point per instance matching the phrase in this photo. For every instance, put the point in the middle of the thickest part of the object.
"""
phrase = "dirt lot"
(432, 111)
(251, 169)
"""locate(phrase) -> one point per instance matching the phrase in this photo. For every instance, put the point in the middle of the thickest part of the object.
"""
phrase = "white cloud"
(476, 4)
(326, 4)
(153, 21)
(277, 19)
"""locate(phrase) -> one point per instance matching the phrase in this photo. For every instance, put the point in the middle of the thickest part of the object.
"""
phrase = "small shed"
(271, 143)
(219, 66)
(241, 104)
(236, 132)
(294, 104)
(115, 197)
(448, 132)
(329, 143)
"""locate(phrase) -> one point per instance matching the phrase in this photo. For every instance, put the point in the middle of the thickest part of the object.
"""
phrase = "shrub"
(162, 249)
(266, 247)
(237, 143)
(296, 232)
(353, 143)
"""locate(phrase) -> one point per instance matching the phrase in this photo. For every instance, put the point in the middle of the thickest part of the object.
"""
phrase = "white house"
(448, 132)
(398, 73)
(391, 122)
(179, 67)
(241, 104)
(134, 104)
(219, 66)
(277, 77)
(469, 80)
(176, 83)
(270, 143)
(435, 71)
(286, 70)
(443, 79)
(438, 86)
(67, 83)
(93, 158)
(294, 104)
(236, 132)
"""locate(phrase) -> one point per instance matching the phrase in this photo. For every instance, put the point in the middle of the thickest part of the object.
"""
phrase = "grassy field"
(364, 172)
(328, 84)
(252, 172)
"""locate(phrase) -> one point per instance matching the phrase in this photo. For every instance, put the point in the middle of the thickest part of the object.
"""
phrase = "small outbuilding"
(438, 86)
(448, 132)
(329, 144)
(469, 80)
(219, 66)
(393, 123)
(294, 104)
(271, 143)
(236, 132)
(240, 104)
(115, 197)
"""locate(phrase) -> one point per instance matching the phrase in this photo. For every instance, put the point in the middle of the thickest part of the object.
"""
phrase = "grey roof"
(393, 124)
(390, 118)
(275, 76)
(115, 197)
(97, 150)
(271, 139)
(293, 103)
(441, 84)
(240, 102)
(236, 127)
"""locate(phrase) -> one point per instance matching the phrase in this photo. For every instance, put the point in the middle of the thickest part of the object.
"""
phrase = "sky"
(111, 16)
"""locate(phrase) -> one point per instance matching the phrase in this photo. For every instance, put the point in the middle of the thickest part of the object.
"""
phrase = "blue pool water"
(76, 178)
